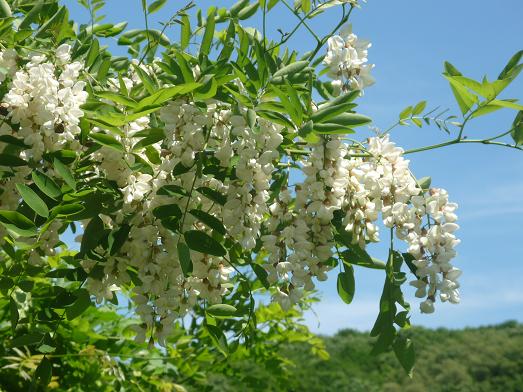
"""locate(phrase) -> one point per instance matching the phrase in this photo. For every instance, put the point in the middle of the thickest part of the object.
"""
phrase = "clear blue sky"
(411, 40)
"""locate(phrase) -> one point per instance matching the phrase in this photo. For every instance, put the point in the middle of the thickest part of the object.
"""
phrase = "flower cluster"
(191, 136)
(44, 99)
(40, 108)
(364, 188)
(347, 61)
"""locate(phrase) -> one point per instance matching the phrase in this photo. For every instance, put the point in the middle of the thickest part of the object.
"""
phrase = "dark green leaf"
(44, 372)
(169, 210)
(218, 338)
(517, 129)
(184, 256)
(107, 140)
(11, 161)
(46, 184)
(346, 284)
(203, 243)
(33, 200)
(80, 305)
(291, 68)
(211, 221)
(404, 350)
(213, 195)
(17, 223)
(117, 238)
(93, 233)
(65, 173)
(14, 315)
(27, 340)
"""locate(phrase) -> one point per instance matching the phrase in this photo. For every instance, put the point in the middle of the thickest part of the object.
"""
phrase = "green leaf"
(66, 210)
(464, 98)
(485, 109)
(218, 338)
(489, 90)
(291, 68)
(44, 372)
(506, 104)
(350, 119)
(31, 16)
(11, 161)
(511, 66)
(208, 35)
(172, 190)
(221, 310)
(238, 6)
(326, 113)
(186, 32)
(165, 94)
(419, 108)
(261, 274)
(404, 350)
(46, 184)
(156, 6)
(213, 195)
(118, 98)
(92, 55)
(332, 129)
(203, 243)
(451, 70)
(14, 315)
(46, 349)
(346, 284)
(80, 305)
(344, 99)
(104, 69)
(517, 129)
(93, 233)
(406, 113)
(13, 141)
(64, 172)
(249, 11)
(33, 200)
(107, 140)
(117, 239)
(155, 137)
(169, 210)
(211, 221)
(208, 90)
(184, 256)
(424, 183)
(358, 256)
(17, 223)
(147, 81)
(56, 21)
(5, 10)
(27, 339)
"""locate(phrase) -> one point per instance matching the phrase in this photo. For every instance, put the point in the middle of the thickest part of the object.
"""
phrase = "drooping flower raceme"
(347, 61)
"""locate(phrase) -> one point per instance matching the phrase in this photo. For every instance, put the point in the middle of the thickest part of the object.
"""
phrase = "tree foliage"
(180, 166)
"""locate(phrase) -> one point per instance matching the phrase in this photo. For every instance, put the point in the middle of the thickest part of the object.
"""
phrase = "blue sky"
(411, 40)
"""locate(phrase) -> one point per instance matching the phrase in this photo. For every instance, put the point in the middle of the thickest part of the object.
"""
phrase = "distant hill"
(485, 359)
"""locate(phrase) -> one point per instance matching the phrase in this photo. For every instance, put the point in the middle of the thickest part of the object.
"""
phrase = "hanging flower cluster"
(42, 107)
(364, 188)
(347, 61)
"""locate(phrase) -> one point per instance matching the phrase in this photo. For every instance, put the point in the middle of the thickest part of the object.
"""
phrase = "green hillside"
(482, 359)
